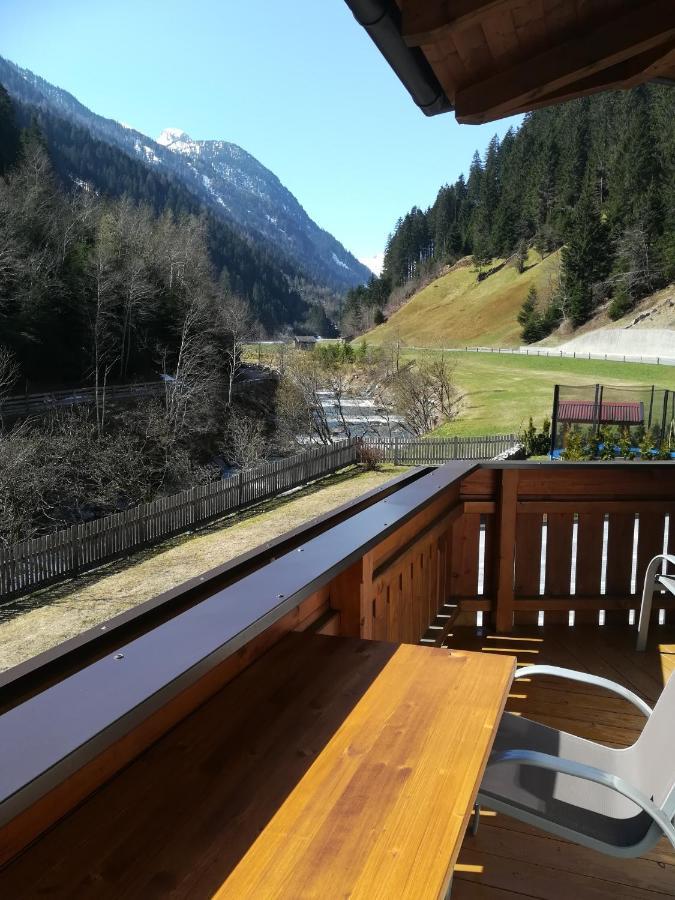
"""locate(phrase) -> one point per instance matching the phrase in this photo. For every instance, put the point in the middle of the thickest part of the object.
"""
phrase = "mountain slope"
(253, 269)
(457, 310)
(223, 177)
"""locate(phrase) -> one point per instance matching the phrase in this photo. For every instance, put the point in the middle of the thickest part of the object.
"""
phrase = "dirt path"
(42, 620)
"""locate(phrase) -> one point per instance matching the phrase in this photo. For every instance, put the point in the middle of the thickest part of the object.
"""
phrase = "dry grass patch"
(48, 617)
(457, 310)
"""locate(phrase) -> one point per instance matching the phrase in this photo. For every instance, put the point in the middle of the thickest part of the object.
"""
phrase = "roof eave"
(382, 20)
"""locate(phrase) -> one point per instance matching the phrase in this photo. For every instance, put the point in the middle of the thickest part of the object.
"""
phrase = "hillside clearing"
(34, 623)
(655, 311)
(503, 391)
(458, 310)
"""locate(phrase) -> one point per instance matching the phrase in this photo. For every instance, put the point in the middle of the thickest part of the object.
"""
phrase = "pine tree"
(529, 318)
(585, 259)
(9, 133)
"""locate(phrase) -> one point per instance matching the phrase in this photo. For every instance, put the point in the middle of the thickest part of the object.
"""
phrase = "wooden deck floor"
(508, 860)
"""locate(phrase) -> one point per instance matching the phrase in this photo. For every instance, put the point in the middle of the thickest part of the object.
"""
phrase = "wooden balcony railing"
(511, 541)
(560, 538)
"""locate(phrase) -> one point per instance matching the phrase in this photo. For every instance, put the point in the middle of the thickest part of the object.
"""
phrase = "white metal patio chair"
(655, 580)
(618, 801)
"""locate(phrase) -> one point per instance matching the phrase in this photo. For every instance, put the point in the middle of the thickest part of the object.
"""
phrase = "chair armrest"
(585, 678)
(588, 773)
(655, 564)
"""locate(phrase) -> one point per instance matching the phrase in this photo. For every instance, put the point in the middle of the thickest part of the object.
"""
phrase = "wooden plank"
(424, 23)
(352, 827)
(345, 593)
(367, 595)
(619, 559)
(506, 549)
(527, 581)
(491, 532)
(651, 528)
(590, 506)
(597, 481)
(594, 49)
(590, 535)
(602, 601)
(558, 559)
(465, 537)
(303, 736)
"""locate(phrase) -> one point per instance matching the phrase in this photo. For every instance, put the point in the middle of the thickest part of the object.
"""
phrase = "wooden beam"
(426, 22)
(605, 601)
(483, 507)
(642, 29)
(644, 67)
(590, 506)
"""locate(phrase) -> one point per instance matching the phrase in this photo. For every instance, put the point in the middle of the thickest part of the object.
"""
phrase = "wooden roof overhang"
(487, 59)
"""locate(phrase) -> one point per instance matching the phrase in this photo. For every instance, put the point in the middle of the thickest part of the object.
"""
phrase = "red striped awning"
(586, 411)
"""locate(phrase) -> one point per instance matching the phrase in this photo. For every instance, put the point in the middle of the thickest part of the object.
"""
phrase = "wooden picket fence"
(435, 451)
(40, 561)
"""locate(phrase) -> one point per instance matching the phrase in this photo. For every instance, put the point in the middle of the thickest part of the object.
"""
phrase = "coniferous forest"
(595, 177)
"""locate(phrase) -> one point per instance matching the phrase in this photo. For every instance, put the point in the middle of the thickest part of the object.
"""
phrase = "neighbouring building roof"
(487, 59)
(586, 412)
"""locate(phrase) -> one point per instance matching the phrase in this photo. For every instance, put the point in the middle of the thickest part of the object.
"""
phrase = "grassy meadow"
(502, 391)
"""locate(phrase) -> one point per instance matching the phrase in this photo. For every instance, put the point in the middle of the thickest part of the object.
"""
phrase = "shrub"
(620, 305)
(371, 458)
(536, 443)
(626, 444)
(575, 449)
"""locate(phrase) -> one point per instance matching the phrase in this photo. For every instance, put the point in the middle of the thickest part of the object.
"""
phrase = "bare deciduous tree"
(192, 383)
(245, 440)
(301, 415)
(9, 371)
(424, 395)
(236, 321)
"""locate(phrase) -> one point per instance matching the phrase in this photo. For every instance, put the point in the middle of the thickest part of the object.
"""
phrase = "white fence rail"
(556, 354)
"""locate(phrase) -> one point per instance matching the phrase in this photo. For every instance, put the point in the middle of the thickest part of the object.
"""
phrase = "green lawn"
(502, 391)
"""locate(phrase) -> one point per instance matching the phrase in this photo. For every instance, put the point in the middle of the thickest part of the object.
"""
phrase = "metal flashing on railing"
(55, 731)
(106, 635)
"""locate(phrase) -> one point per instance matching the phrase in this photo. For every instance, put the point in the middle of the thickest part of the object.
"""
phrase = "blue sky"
(299, 85)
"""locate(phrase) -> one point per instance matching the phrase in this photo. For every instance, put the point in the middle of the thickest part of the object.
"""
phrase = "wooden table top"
(383, 810)
(332, 767)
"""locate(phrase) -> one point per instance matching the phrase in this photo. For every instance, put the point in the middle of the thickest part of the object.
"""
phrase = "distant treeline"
(595, 175)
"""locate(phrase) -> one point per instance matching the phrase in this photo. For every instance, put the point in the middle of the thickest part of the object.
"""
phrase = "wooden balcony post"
(506, 548)
(367, 597)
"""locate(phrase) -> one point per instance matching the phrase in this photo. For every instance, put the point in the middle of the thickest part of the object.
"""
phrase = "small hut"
(304, 342)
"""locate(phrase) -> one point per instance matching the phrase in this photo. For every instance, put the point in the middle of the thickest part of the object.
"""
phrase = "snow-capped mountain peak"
(172, 136)
(224, 178)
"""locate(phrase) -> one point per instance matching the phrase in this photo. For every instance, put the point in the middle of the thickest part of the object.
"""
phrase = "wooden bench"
(330, 767)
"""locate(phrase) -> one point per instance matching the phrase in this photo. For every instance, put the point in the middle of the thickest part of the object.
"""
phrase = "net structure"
(623, 418)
